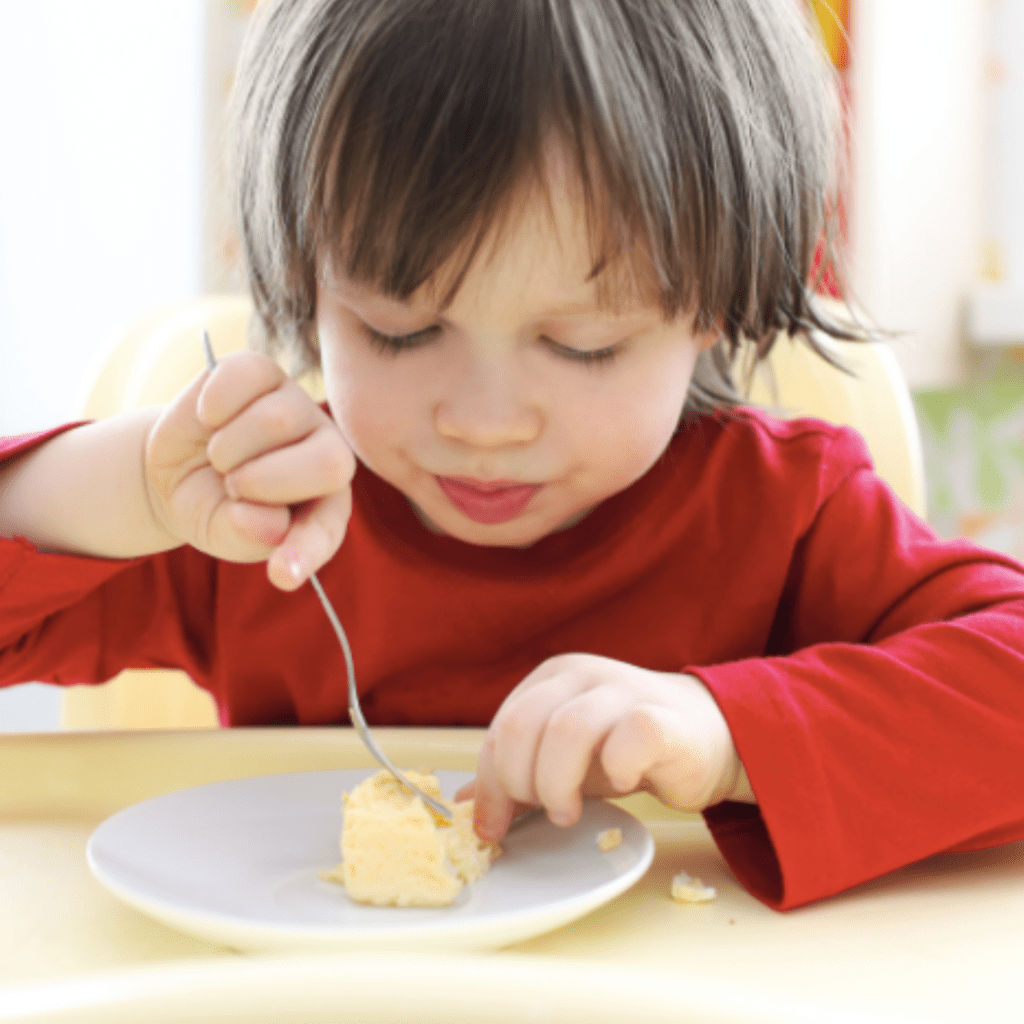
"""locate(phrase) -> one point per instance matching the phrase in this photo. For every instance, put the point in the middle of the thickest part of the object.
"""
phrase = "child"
(524, 240)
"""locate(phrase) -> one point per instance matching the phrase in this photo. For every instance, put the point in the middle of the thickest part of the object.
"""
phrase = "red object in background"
(834, 18)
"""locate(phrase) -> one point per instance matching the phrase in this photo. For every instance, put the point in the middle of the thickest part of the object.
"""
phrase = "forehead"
(543, 250)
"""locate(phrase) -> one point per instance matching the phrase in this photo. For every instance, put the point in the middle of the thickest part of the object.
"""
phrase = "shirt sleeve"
(887, 723)
(54, 608)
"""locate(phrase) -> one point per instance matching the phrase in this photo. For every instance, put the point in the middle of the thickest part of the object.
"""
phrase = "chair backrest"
(163, 352)
(158, 356)
(874, 399)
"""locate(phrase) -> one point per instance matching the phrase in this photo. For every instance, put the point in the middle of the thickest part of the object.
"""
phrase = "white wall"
(100, 214)
(100, 200)
(919, 170)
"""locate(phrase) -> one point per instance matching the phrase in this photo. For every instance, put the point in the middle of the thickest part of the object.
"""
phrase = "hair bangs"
(428, 158)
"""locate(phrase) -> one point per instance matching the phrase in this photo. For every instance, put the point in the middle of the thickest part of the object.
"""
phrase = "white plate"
(237, 862)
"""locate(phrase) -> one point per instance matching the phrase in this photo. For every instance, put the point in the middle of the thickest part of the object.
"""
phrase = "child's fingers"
(571, 739)
(635, 744)
(273, 420)
(238, 380)
(293, 542)
(191, 501)
(467, 792)
(493, 809)
(517, 729)
(683, 757)
(315, 534)
(581, 724)
(316, 466)
(262, 526)
(187, 495)
(523, 721)
(177, 442)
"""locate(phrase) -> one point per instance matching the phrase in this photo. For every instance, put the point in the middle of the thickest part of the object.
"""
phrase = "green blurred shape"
(991, 484)
(935, 409)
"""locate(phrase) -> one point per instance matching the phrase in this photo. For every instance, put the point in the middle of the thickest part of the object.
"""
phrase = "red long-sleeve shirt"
(871, 674)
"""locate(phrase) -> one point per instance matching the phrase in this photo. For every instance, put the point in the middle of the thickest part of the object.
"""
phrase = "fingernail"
(560, 818)
(486, 833)
(296, 569)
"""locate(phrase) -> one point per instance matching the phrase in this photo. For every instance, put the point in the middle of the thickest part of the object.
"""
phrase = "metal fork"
(354, 710)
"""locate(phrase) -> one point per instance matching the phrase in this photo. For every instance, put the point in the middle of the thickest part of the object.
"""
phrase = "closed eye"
(395, 344)
(590, 358)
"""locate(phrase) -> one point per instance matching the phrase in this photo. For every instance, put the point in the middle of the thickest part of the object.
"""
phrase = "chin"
(515, 534)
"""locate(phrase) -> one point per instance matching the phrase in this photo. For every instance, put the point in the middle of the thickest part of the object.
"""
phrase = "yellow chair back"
(875, 401)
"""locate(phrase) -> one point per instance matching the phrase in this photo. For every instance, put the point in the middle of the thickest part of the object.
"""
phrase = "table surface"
(939, 941)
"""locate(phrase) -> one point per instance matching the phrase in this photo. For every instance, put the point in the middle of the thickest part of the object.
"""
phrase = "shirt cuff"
(792, 847)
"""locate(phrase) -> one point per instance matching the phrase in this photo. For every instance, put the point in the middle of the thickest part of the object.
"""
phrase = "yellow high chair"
(163, 352)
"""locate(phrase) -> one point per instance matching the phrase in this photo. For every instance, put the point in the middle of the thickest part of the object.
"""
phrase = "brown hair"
(395, 134)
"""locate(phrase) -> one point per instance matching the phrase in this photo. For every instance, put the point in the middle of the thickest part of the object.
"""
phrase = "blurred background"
(112, 203)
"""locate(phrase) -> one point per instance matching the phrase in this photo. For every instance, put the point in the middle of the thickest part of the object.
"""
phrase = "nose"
(487, 407)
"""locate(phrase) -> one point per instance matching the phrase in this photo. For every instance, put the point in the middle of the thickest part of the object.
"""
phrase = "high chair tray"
(938, 941)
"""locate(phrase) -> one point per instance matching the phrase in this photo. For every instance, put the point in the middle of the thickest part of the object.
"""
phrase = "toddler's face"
(524, 404)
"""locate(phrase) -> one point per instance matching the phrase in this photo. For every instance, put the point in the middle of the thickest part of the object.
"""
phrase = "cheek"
(373, 401)
(668, 385)
(347, 383)
(338, 375)
(646, 406)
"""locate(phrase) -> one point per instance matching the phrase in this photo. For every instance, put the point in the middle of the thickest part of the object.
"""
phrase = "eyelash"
(395, 344)
(592, 360)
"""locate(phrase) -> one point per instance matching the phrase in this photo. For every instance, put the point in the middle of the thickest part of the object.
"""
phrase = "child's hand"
(582, 725)
(245, 466)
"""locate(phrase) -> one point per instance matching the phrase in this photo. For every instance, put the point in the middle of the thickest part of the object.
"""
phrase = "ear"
(705, 339)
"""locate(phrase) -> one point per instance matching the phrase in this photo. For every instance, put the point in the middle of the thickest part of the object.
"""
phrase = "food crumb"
(609, 839)
(687, 889)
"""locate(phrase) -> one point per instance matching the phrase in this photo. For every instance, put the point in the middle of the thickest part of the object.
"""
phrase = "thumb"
(178, 438)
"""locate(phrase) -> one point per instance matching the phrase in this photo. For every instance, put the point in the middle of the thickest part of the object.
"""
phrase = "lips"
(489, 502)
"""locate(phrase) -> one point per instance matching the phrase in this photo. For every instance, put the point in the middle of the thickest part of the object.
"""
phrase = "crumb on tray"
(687, 889)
